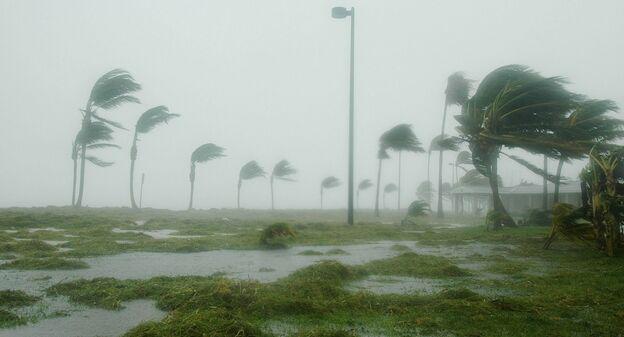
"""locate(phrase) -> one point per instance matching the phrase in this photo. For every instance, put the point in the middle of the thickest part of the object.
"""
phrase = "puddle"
(158, 234)
(49, 229)
(125, 242)
(71, 236)
(90, 322)
(55, 242)
(398, 285)
(10, 231)
(140, 222)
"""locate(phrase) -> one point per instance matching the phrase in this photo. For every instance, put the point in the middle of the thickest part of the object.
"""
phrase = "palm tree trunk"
(192, 180)
(558, 181)
(75, 159)
(86, 122)
(133, 156)
(141, 193)
(496, 200)
(272, 201)
(321, 197)
(440, 162)
(545, 185)
(399, 190)
(377, 193)
(240, 183)
(429, 194)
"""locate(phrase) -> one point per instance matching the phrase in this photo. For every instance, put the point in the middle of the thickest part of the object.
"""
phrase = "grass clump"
(52, 263)
(16, 298)
(277, 235)
(310, 252)
(336, 251)
(26, 247)
(415, 265)
(325, 332)
(9, 319)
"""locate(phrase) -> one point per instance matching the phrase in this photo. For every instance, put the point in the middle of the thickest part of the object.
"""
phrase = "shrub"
(277, 235)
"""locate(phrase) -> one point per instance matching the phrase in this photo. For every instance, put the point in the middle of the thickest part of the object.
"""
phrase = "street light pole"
(339, 13)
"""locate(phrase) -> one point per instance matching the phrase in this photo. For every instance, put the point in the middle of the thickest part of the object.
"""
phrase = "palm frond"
(457, 89)
(113, 89)
(251, 170)
(401, 138)
(98, 162)
(391, 187)
(152, 117)
(102, 146)
(108, 121)
(418, 208)
(94, 133)
(463, 158)
(475, 178)
(207, 152)
(282, 170)
(330, 182)
(540, 172)
(365, 184)
(382, 153)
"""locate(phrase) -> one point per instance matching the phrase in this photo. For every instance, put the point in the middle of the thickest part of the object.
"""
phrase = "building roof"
(567, 187)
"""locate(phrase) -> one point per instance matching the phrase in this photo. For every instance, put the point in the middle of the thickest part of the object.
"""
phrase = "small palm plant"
(416, 209)
(424, 191)
(390, 188)
(327, 183)
(249, 171)
(94, 137)
(110, 91)
(362, 186)
(401, 138)
(147, 122)
(382, 154)
(202, 154)
(283, 170)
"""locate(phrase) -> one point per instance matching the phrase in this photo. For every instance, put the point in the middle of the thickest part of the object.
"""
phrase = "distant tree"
(327, 183)
(381, 155)
(390, 188)
(362, 186)
(249, 171)
(401, 138)
(94, 137)
(110, 91)
(456, 93)
(281, 171)
(147, 122)
(202, 154)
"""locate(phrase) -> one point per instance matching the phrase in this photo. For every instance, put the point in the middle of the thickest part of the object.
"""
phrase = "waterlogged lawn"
(483, 283)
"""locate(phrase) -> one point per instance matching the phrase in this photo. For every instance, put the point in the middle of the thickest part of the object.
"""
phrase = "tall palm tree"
(94, 137)
(281, 171)
(327, 183)
(249, 171)
(147, 122)
(514, 107)
(589, 122)
(382, 154)
(362, 186)
(390, 188)
(456, 93)
(202, 154)
(401, 138)
(110, 91)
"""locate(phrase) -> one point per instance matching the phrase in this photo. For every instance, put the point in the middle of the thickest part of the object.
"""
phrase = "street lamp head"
(340, 12)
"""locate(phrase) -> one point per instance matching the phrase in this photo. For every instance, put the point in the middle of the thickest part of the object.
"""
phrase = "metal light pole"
(341, 13)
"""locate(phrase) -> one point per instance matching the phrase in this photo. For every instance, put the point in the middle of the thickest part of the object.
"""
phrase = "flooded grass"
(51, 263)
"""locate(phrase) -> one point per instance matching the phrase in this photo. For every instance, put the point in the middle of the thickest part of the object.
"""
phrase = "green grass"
(415, 265)
(9, 319)
(16, 298)
(51, 263)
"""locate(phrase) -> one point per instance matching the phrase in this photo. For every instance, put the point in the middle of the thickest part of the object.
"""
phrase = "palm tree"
(381, 155)
(281, 171)
(424, 191)
(390, 188)
(148, 121)
(514, 107)
(94, 137)
(249, 171)
(456, 93)
(110, 91)
(589, 123)
(362, 186)
(202, 154)
(329, 182)
(401, 138)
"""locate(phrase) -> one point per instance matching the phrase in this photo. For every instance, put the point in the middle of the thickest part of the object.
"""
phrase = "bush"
(538, 217)
(277, 235)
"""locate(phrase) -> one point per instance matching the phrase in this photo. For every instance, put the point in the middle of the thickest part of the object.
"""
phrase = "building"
(477, 199)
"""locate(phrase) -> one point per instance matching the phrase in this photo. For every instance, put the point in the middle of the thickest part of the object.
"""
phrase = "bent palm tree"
(362, 186)
(249, 171)
(148, 121)
(110, 91)
(202, 154)
(329, 182)
(94, 137)
(401, 138)
(381, 155)
(456, 93)
(281, 171)
(390, 188)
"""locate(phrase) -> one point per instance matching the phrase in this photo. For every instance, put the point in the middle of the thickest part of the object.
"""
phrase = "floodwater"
(158, 234)
(262, 265)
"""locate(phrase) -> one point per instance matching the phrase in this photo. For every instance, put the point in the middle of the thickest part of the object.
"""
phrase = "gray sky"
(268, 80)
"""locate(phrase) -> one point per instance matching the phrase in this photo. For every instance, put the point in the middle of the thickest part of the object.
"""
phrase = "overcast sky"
(268, 80)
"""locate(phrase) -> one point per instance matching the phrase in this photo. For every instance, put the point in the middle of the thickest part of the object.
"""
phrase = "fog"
(268, 80)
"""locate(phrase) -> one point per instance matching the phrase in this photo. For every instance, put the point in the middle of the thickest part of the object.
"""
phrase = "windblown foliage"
(283, 170)
(365, 184)
(207, 152)
(251, 170)
(152, 117)
(330, 182)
